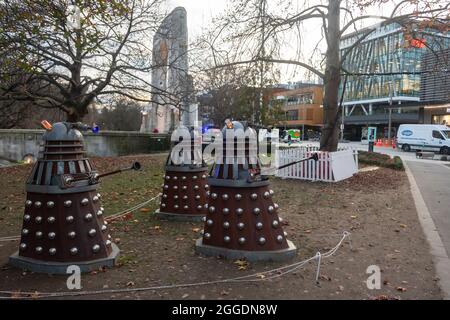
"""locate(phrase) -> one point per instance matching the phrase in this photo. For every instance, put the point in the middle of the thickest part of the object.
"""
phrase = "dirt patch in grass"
(376, 207)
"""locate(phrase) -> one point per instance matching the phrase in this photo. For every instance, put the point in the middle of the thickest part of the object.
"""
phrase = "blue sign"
(407, 133)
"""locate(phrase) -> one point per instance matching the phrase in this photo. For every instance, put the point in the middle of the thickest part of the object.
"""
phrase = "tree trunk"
(73, 117)
(331, 115)
(77, 112)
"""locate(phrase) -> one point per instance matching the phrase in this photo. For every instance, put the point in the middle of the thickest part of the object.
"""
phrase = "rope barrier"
(256, 277)
(108, 218)
(12, 238)
(123, 212)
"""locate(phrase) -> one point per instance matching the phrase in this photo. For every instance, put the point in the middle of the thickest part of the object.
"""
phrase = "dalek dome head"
(62, 131)
(236, 127)
(232, 125)
(235, 131)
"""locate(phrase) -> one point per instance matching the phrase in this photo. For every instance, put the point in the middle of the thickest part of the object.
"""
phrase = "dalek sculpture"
(63, 223)
(185, 180)
(242, 219)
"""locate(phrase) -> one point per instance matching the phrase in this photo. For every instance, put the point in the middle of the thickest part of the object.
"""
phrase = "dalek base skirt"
(243, 223)
(40, 266)
(184, 194)
(64, 229)
(252, 256)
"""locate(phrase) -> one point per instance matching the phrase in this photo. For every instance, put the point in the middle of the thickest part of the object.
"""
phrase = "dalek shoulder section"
(61, 160)
(237, 164)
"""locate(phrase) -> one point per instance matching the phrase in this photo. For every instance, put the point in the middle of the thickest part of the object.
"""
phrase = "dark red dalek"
(63, 222)
(185, 180)
(242, 219)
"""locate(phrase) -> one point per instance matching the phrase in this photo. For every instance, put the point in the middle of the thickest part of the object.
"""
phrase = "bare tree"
(236, 92)
(123, 115)
(242, 26)
(67, 54)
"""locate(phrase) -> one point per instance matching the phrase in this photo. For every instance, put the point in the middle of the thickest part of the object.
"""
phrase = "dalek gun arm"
(93, 177)
(314, 157)
(134, 166)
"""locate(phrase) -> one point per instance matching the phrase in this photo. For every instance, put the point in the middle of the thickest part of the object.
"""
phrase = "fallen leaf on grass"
(196, 229)
(157, 227)
(401, 289)
(242, 264)
(130, 284)
(179, 239)
(324, 277)
(126, 217)
(144, 210)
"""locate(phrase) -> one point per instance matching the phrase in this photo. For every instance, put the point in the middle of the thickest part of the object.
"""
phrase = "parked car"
(424, 137)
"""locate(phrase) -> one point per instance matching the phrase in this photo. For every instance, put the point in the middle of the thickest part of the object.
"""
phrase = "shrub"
(381, 160)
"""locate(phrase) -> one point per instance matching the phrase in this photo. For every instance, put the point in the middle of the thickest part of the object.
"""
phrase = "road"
(433, 181)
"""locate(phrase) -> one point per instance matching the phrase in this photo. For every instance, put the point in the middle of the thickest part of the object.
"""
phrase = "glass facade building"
(384, 75)
(386, 51)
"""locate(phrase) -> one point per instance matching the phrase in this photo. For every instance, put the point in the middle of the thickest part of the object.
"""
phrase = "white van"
(424, 137)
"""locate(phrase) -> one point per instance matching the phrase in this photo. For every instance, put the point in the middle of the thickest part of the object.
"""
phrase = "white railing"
(331, 166)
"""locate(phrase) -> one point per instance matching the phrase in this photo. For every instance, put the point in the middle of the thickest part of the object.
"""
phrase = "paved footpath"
(433, 181)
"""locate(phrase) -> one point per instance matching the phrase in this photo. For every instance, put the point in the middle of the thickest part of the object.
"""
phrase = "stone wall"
(17, 143)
